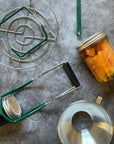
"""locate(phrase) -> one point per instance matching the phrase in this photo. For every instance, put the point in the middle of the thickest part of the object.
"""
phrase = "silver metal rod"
(27, 37)
(63, 94)
(47, 71)
(40, 38)
(8, 31)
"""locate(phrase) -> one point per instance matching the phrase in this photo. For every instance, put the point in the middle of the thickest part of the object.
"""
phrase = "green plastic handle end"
(79, 33)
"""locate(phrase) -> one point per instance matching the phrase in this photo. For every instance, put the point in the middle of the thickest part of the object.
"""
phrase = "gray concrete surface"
(41, 127)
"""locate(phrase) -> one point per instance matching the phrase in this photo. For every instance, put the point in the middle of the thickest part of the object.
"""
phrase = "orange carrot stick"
(90, 63)
(96, 68)
(108, 49)
(106, 46)
(111, 60)
(100, 69)
(90, 52)
(105, 63)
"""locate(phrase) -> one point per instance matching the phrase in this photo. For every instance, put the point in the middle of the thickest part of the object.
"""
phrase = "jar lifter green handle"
(28, 113)
(71, 76)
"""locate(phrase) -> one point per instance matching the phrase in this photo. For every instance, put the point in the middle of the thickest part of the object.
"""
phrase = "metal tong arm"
(28, 82)
(70, 74)
(42, 41)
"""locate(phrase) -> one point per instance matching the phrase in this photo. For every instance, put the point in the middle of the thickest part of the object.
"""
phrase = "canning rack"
(28, 39)
(15, 32)
(71, 76)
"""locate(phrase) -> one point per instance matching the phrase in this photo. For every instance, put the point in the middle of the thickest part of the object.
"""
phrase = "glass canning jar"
(98, 53)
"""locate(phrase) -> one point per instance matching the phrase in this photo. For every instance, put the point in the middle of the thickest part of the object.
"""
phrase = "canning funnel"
(85, 122)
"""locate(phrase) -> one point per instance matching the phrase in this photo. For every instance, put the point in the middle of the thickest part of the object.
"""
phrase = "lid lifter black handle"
(71, 74)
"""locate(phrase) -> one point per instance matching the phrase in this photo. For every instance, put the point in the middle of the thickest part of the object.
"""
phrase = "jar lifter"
(69, 72)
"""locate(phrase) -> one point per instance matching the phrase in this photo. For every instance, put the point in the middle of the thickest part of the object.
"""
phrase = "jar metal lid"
(11, 107)
(91, 40)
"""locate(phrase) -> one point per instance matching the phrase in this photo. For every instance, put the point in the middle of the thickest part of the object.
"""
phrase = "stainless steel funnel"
(85, 122)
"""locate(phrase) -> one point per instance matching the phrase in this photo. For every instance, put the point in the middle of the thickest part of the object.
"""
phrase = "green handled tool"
(71, 76)
(79, 33)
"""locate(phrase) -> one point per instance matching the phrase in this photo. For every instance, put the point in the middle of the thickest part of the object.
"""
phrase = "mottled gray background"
(42, 126)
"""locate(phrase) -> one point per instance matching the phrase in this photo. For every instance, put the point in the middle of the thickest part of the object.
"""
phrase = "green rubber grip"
(17, 88)
(79, 33)
(8, 17)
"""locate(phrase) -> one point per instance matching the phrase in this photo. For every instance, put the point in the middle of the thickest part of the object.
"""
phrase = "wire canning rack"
(23, 31)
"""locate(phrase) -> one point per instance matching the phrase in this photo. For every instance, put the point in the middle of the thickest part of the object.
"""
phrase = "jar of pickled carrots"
(98, 53)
